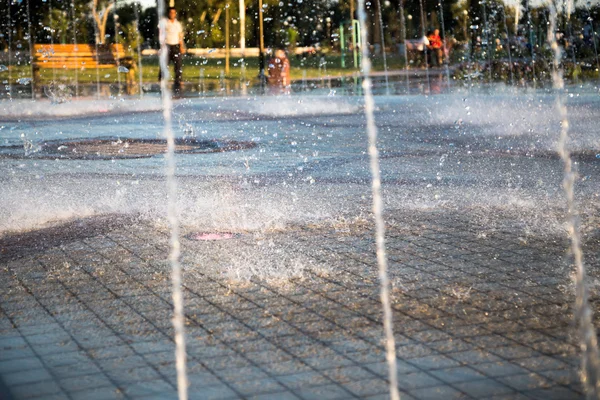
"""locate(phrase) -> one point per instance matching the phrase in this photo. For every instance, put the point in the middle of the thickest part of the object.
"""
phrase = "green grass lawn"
(211, 68)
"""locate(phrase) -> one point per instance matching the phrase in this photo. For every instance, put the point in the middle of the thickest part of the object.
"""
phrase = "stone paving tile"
(474, 317)
(439, 393)
(40, 390)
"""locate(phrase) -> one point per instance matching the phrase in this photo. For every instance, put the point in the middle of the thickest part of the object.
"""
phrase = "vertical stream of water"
(175, 251)
(590, 368)
(390, 343)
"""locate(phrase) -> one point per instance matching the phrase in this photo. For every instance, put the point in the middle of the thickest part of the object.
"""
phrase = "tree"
(100, 19)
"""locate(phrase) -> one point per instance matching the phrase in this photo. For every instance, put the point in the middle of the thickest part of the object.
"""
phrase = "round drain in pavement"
(117, 148)
(211, 236)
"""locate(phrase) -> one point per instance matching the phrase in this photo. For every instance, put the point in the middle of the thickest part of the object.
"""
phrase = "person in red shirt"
(435, 46)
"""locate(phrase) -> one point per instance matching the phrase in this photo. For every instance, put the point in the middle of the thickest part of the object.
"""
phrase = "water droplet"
(3, 68)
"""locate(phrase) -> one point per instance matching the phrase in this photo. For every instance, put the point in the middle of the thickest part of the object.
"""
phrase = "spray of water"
(74, 26)
(510, 63)
(591, 21)
(487, 40)
(51, 23)
(531, 42)
(139, 47)
(201, 81)
(424, 47)
(382, 33)
(390, 343)
(30, 39)
(10, 29)
(175, 253)
(446, 53)
(97, 34)
(589, 343)
(403, 28)
(116, 20)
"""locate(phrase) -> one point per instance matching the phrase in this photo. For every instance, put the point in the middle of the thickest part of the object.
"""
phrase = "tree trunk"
(100, 20)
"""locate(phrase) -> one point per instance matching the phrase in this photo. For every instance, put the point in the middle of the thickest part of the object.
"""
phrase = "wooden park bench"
(83, 56)
(76, 56)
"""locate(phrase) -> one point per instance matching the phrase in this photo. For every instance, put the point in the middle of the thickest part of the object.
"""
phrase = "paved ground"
(85, 314)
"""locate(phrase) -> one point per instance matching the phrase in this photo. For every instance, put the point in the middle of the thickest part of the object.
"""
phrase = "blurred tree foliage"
(294, 23)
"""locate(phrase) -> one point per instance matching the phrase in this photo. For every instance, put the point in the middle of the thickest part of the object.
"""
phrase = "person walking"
(171, 34)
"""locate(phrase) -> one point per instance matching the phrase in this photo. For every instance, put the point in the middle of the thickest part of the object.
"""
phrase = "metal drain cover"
(117, 148)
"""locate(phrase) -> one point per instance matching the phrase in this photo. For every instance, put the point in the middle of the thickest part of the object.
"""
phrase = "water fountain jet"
(175, 251)
(390, 343)
(590, 358)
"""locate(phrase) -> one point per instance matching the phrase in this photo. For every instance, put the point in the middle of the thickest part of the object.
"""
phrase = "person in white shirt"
(171, 34)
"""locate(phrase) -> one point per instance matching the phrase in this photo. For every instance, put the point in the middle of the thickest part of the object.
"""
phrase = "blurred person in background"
(171, 34)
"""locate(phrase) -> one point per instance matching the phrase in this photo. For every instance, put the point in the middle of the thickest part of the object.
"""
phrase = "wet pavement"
(286, 305)
(478, 313)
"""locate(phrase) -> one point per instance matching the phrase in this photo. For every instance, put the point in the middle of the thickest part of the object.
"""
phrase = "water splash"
(24, 81)
(175, 253)
(58, 93)
(390, 343)
(590, 368)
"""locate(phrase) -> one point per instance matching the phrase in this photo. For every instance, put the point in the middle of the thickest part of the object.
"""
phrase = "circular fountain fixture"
(117, 148)
(211, 236)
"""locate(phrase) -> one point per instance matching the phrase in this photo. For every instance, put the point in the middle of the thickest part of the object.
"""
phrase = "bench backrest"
(84, 53)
